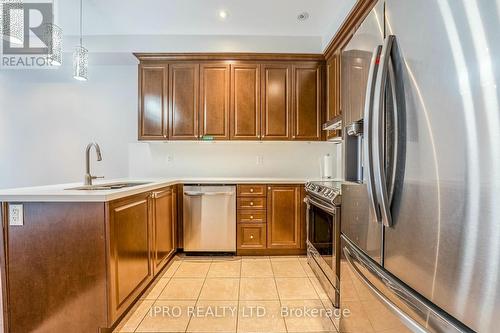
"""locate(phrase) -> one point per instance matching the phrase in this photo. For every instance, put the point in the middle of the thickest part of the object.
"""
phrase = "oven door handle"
(318, 204)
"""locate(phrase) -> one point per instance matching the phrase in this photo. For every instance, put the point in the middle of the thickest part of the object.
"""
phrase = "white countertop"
(59, 193)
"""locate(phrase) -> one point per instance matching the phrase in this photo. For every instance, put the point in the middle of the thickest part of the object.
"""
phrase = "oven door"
(323, 234)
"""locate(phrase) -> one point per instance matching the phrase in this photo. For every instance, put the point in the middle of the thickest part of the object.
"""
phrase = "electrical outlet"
(170, 158)
(260, 160)
(16, 214)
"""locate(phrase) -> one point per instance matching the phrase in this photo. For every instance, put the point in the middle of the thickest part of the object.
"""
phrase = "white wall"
(47, 118)
(229, 159)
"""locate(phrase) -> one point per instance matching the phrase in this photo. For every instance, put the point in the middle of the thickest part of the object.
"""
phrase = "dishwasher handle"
(199, 194)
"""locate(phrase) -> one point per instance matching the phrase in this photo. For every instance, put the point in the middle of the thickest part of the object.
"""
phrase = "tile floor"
(251, 294)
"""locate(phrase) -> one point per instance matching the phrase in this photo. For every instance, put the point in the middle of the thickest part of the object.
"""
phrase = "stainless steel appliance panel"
(209, 218)
(359, 221)
(445, 238)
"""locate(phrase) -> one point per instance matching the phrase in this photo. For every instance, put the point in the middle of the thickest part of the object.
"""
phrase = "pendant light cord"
(81, 24)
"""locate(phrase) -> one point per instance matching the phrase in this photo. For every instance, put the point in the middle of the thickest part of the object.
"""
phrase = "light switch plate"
(16, 214)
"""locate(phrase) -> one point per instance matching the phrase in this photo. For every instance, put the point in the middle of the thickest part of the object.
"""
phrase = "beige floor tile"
(225, 268)
(182, 289)
(214, 317)
(364, 294)
(318, 288)
(167, 316)
(345, 271)
(253, 258)
(134, 317)
(382, 318)
(260, 316)
(284, 258)
(347, 290)
(220, 289)
(288, 268)
(307, 269)
(155, 290)
(354, 320)
(169, 272)
(295, 289)
(258, 289)
(192, 269)
(306, 316)
(256, 268)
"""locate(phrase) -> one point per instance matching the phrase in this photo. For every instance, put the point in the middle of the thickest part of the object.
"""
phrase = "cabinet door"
(245, 101)
(130, 261)
(333, 91)
(214, 111)
(153, 102)
(276, 101)
(183, 104)
(284, 217)
(163, 228)
(355, 67)
(307, 102)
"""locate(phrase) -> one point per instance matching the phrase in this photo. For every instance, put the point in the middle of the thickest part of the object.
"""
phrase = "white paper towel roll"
(327, 166)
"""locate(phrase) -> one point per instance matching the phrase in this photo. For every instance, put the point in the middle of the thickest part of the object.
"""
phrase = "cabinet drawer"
(252, 216)
(251, 203)
(252, 236)
(251, 190)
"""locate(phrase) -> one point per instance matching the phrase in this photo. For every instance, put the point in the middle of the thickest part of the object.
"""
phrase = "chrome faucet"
(88, 176)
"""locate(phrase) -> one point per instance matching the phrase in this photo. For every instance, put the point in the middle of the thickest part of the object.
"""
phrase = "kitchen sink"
(105, 187)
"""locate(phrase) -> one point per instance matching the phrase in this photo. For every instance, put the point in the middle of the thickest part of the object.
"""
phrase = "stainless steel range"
(323, 234)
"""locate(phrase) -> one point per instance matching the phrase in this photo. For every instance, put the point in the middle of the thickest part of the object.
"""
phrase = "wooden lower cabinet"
(130, 251)
(163, 227)
(284, 217)
(251, 236)
(275, 223)
(142, 239)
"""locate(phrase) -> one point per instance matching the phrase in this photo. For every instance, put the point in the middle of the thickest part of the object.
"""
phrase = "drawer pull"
(251, 217)
(251, 203)
(251, 190)
(251, 236)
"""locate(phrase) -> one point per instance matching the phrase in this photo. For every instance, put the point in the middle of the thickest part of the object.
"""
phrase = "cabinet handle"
(251, 217)
(251, 203)
(251, 236)
(269, 188)
(251, 190)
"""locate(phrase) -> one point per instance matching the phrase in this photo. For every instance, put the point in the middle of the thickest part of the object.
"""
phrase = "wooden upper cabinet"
(284, 218)
(276, 101)
(214, 95)
(307, 102)
(333, 108)
(183, 106)
(153, 102)
(355, 66)
(245, 101)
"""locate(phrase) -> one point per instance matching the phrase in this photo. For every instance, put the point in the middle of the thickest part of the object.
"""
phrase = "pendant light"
(80, 55)
(53, 34)
(12, 23)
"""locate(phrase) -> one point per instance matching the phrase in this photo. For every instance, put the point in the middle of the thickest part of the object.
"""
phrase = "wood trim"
(349, 26)
(218, 56)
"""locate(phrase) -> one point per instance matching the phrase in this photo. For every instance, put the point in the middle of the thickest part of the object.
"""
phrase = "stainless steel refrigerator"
(421, 221)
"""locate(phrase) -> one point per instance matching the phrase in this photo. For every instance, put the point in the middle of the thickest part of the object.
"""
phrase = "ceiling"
(200, 17)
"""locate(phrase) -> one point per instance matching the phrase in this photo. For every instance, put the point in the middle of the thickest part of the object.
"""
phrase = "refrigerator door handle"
(368, 132)
(379, 169)
(407, 320)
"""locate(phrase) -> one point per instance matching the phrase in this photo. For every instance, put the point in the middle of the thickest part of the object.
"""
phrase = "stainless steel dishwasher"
(209, 218)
